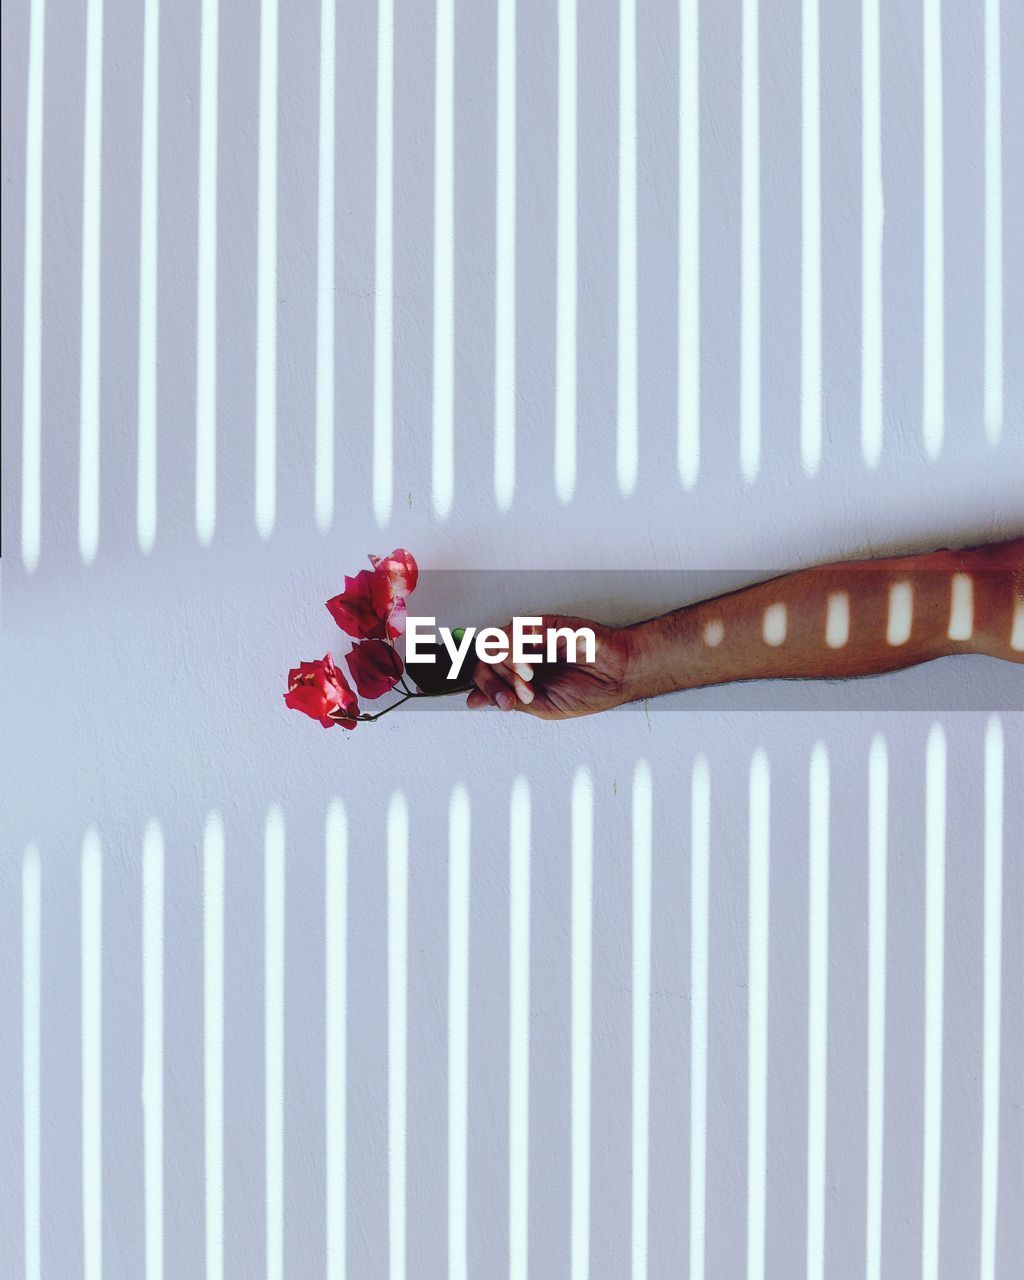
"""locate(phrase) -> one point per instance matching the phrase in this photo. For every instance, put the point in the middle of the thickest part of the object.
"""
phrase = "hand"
(560, 690)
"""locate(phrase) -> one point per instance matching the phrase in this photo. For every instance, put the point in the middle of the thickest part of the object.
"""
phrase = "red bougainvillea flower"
(372, 606)
(375, 668)
(368, 609)
(400, 569)
(318, 689)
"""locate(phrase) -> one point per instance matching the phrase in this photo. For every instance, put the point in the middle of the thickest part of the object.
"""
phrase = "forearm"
(840, 620)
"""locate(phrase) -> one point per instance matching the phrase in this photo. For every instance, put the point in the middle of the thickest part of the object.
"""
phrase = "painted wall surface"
(427, 1000)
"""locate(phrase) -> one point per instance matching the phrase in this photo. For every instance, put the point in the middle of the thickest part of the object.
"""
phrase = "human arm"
(834, 621)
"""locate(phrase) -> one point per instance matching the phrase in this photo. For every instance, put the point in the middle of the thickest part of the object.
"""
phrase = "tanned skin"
(849, 619)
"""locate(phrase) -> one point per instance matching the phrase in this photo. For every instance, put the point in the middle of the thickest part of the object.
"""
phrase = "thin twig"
(366, 718)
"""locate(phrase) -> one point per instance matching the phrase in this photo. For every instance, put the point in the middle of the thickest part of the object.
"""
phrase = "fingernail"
(505, 701)
(523, 671)
(526, 695)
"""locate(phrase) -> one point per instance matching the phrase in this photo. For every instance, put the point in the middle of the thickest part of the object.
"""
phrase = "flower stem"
(377, 715)
(365, 717)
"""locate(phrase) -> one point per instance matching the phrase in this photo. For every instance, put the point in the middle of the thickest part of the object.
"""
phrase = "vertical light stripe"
(872, 211)
(92, 1056)
(642, 823)
(757, 1049)
(688, 393)
(934, 376)
(213, 1041)
(582, 1008)
(750, 249)
(1017, 631)
(92, 189)
(31, 1059)
(323, 481)
(817, 1010)
(837, 620)
(935, 906)
(810, 275)
(878, 874)
(206, 277)
(148, 231)
(505, 262)
(384, 303)
(519, 1032)
(335, 1023)
(992, 994)
(901, 613)
(961, 607)
(993, 224)
(627, 453)
(398, 999)
(153, 1044)
(273, 1033)
(266, 278)
(444, 257)
(458, 1031)
(774, 624)
(32, 332)
(565, 301)
(700, 908)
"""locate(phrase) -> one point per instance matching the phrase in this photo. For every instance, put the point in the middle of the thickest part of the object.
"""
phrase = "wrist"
(653, 663)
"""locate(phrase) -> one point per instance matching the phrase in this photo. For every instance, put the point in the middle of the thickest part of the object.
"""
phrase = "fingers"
(519, 674)
(502, 697)
(524, 690)
(490, 685)
(505, 685)
(494, 689)
(516, 676)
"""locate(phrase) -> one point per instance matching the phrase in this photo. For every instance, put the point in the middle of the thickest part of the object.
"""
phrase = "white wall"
(141, 684)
